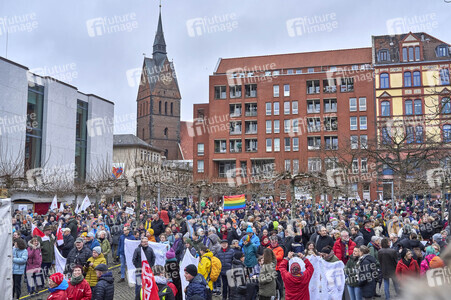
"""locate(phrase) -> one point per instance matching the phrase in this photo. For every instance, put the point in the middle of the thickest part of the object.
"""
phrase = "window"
(275, 89)
(363, 141)
(444, 76)
(331, 142)
(310, 70)
(268, 126)
(313, 106)
(416, 78)
(409, 134)
(363, 123)
(442, 51)
(235, 146)
(200, 149)
(220, 146)
(295, 166)
(354, 67)
(159, 107)
(385, 108)
(220, 92)
(226, 169)
(347, 85)
(276, 126)
(276, 145)
(354, 142)
(295, 125)
(404, 53)
(276, 108)
(355, 166)
(329, 85)
(330, 163)
(383, 55)
(250, 127)
(314, 142)
(408, 107)
(290, 71)
(172, 109)
(294, 107)
(386, 138)
(353, 122)
(165, 108)
(447, 133)
(298, 71)
(286, 108)
(295, 144)
(286, 90)
(235, 110)
(251, 145)
(411, 57)
(330, 105)
(200, 166)
(314, 164)
(384, 81)
(362, 104)
(417, 53)
(352, 104)
(313, 87)
(418, 107)
(287, 144)
(286, 126)
(243, 169)
(33, 139)
(276, 73)
(333, 69)
(446, 106)
(268, 145)
(364, 165)
(268, 108)
(330, 123)
(313, 124)
(419, 134)
(287, 165)
(235, 127)
(407, 79)
(250, 109)
(251, 90)
(235, 91)
(81, 139)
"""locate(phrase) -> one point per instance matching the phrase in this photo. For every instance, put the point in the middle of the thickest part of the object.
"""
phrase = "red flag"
(36, 231)
(149, 287)
(59, 236)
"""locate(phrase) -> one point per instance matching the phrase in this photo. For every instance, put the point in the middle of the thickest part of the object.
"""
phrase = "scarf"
(63, 286)
(76, 280)
(407, 262)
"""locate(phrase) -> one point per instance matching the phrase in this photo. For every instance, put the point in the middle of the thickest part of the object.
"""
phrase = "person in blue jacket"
(91, 241)
(121, 251)
(254, 239)
(20, 257)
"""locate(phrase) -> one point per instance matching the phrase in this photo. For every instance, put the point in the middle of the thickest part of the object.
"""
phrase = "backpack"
(215, 269)
(162, 293)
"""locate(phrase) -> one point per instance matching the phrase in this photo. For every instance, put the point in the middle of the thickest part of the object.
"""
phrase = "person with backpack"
(209, 266)
(165, 292)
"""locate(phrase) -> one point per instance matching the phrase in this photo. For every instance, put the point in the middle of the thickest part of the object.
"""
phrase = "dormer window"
(442, 51)
(383, 55)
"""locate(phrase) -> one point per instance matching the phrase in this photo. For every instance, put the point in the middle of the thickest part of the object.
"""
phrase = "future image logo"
(207, 25)
(308, 25)
(105, 25)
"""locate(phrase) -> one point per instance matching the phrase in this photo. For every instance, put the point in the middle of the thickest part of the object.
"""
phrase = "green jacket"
(373, 253)
(332, 259)
(105, 245)
(267, 281)
(47, 250)
(351, 272)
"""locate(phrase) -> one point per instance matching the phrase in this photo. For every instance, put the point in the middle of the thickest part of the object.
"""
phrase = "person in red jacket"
(164, 216)
(79, 288)
(344, 247)
(407, 267)
(297, 279)
(57, 287)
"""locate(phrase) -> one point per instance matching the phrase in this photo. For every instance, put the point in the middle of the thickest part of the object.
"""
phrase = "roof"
(131, 140)
(298, 60)
(186, 141)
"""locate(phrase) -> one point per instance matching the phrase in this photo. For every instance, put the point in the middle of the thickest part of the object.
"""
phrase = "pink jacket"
(424, 267)
(34, 258)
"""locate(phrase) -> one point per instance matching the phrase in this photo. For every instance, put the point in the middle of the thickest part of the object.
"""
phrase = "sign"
(129, 211)
(118, 170)
(22, 207)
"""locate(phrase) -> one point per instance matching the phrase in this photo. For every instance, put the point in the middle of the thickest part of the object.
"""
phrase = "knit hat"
(97, 249)
(437, 237)
(249, 229)
(404, 252)
(429, 250)
(246, 238)
(189, 217)
(191, 269)
(170, 254)
(436, 262)
(238, 255)
(57, 278)
(295, 269)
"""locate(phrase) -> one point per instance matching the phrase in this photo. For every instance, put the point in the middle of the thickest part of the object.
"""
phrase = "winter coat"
(120, 247)
(367, 235)
(172, 268)
(19, 261)
(339, 250)
(351, 271)
(91, 276)
(150, 256)
(323, 241)
(196, 287)
(92, 244)
(104, 289)
(373, 252)
(250, 255)
(165, 291)
(367, 280)
(77, 257)
(238, 289)
(358, 239)
(47, 250)
(34, 258)
(204, 267)
(81, 291)
(254, 240)
(158, 227)
(72, 224)
(278, 252)
(296, 287)
(388, 260)
(106, 247)
(68, 244)
(403, 271)
(424, 266)
(226, 258)
(267, 280)
(58, 295)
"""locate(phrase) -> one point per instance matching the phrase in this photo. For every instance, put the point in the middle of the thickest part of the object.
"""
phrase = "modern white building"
(49, 131)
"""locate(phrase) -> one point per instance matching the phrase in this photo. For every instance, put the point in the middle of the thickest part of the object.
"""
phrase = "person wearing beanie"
(238, 290)
(104, 289)
(250, 251)
(57, 287)
(196, 285)
(253, 237)
(96, 259)
(79, 288)
(407, 266)
(296, 280)
(172, 268)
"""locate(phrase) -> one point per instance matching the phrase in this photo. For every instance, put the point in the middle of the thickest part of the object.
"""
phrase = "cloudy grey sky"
(65, 34)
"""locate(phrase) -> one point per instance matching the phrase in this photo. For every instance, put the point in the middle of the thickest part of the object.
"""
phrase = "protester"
(121, 251)
(407, 266)
(196, 286)
(79, 288)
(296, 279)
(57, 287)
(367, 273)
(77, 256)
(20, 257)
(104, 290)
(34, 275)
(267, 278)
(137, 262)
(352, 275)
(96, 259)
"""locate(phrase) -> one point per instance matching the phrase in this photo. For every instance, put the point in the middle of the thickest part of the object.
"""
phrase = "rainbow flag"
(234, 202)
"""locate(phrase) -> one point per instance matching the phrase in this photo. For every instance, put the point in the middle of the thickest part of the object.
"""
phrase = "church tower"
(158, 101)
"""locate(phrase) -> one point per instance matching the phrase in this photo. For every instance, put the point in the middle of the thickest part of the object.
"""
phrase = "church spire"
(159, 45)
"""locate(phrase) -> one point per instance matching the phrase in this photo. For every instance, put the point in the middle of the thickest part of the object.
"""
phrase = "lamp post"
(138, 183)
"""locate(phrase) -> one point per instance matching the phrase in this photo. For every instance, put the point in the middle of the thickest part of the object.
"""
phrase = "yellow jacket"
(204, 267)
(91, 276)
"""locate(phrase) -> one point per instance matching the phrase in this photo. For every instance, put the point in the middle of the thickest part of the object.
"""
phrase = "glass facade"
(33, 141)
(81, 140)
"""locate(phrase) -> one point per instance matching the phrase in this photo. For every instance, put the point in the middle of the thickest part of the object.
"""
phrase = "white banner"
(130, 246)
(328, 280)
(85, 204)
(60, 261)
(6, 259)
(188, 259)
(54, 205)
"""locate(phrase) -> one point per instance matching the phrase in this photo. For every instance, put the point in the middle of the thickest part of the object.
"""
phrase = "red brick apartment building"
(292, 110)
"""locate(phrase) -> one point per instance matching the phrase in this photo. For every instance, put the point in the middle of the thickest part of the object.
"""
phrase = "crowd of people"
(255, 253)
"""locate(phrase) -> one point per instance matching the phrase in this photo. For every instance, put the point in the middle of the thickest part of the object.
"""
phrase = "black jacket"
(226, 259)
(72, 224)
(67, 245)
(158, 227)
(367, 235)
(237, 276)
(166, 292)
(104, 290)
(323, 241)
(150, 255)
(367, 280)
(76, 257)
(388, 259)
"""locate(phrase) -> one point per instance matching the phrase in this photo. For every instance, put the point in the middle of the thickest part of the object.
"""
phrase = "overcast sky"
(66, 34)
